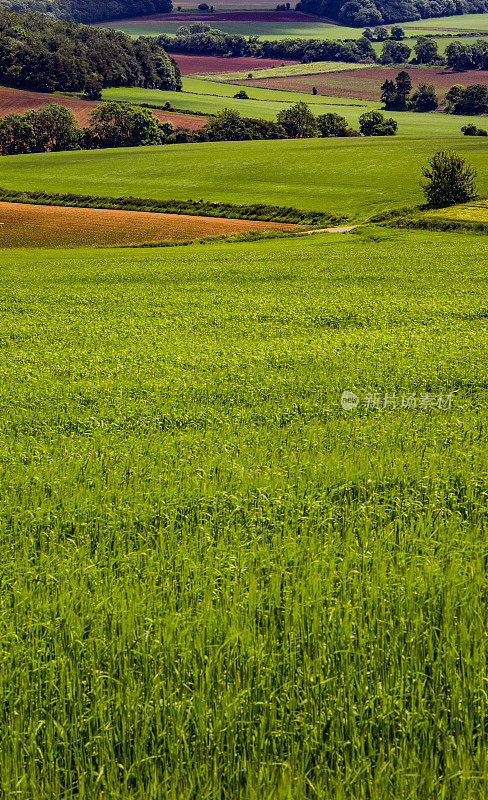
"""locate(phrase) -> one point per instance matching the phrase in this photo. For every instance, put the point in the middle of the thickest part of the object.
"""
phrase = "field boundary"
(261, 212)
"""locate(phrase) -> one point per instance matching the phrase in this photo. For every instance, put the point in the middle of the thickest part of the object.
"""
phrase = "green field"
(475, 211)
(355, 177)
(210, 97)
(467, 22)
(263, 30)
(215, 582)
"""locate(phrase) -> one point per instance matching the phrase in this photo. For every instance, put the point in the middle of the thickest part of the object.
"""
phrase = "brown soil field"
(199, 65)
(18, 101)
(231, 16)
(25, 225)
(365, 84)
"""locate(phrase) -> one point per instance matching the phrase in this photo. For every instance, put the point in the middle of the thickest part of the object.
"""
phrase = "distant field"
(273, 25)
(350, 177)
(365, 84)
(209, 97)
(459, 22)
(189, 65)
(289, 69)
(25, 225)
(16, 101)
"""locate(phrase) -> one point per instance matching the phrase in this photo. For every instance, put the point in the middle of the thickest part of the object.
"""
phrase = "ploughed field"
(365, 84)
(190, 65)
(18, 101)
(215, 17)
(26, 225)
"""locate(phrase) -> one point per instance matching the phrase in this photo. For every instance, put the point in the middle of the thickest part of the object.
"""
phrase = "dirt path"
(342, 229)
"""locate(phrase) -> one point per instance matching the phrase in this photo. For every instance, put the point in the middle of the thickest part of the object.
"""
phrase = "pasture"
(353, 177)
(210, 97)
(216, 582)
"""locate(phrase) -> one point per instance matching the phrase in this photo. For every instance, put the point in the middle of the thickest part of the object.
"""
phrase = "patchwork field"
(283, 70)
(216, 582)
(16, 101)
(351, 177)
(26, 225)
(365, 84)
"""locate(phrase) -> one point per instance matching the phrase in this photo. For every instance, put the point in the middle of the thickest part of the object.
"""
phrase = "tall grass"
(215, 582)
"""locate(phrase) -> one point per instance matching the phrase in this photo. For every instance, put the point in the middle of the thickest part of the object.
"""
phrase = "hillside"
(374, 12)
(46, 55)
(89, 10)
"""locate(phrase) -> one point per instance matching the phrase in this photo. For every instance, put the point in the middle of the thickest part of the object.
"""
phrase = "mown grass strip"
(262, 212)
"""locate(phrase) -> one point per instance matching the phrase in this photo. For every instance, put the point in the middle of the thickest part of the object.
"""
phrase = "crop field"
(365, 84)
(475, 211)
(210, 97)
(272, 25)
(457, 23)
(17, 101)
(350, 177)
(216, 583)
(190, 65)
(277, 70)
(30, 225)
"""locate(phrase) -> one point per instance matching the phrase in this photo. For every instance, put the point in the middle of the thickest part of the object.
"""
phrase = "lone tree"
(373, 123)
(448, 180)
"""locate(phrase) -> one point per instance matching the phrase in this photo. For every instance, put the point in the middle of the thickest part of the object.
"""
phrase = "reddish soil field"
(190, 65)
(25, 225)
(365, 84)
(17, 101)
(231, 16)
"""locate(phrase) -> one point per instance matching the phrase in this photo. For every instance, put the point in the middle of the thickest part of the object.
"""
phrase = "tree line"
(397, 96)
(47, 55)
(89, 10)
(359, 13)
(201, 39)
(118, 124)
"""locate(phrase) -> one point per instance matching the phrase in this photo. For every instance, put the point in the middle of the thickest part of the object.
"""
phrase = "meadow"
(216, 582)
(210, 97)
(351, 177)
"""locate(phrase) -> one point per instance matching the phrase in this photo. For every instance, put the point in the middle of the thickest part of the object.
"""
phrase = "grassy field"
(476, 211)
(288, 70)
(466, 22)
(264, 30)
(210, 97)
(215, 582)
(355, 177)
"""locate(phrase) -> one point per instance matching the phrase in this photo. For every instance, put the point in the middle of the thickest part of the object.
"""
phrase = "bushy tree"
(333, 125)
(124, 125)
(55, 128)
(453, 96)
(472, 100)
(298, 121)
(373, 123)
(395, 53)
(448, 180)
(17, 135)
(380, 33)
(426, 50)
(472, 130)
(424, 98)
(397, 33)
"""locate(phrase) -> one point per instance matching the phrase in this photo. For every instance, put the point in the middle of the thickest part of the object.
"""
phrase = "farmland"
(16, 101)
(354, 177)
(190, 65)
(210, 97)
(215, 581)
(39, 225)
(365, 83)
